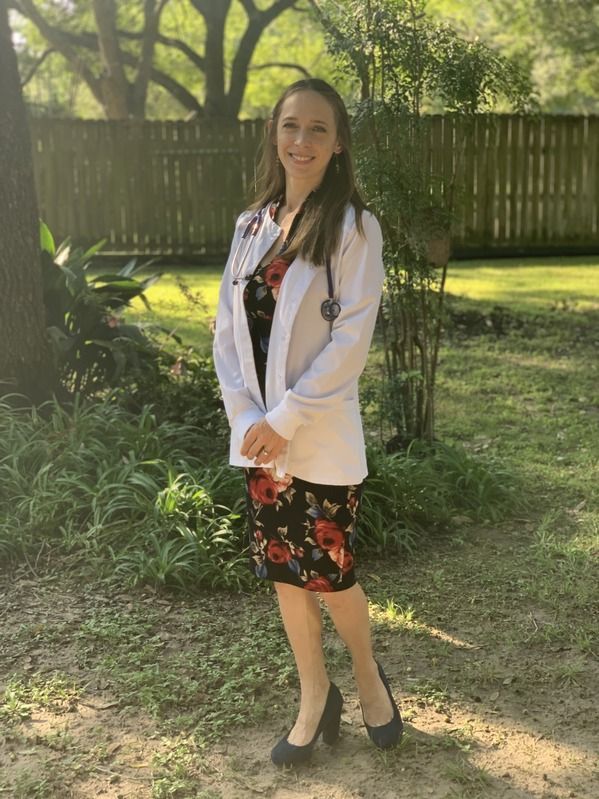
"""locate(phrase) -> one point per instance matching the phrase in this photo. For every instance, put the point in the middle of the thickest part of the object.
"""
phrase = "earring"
(337, 162)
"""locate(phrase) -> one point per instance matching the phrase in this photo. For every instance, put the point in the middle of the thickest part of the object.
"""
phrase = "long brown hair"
(319, 231)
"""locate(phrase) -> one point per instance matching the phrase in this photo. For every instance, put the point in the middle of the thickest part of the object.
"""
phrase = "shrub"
(181, 388)
(92, 345)
(418, 492)
(117, 490)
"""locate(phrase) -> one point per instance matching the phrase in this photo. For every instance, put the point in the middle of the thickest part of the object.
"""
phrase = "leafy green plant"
(192, 539)
(180, 386)
(92, 345)
(417, 493)
(109, 488)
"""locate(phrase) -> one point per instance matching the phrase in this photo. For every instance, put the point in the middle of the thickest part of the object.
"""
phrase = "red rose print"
(348, 561)
(337, 555)
(262, 488)
(275, 272)
(328, 534)
(278, 551)
(318, 584)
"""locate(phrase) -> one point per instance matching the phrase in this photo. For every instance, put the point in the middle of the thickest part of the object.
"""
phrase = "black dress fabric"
(300, 532)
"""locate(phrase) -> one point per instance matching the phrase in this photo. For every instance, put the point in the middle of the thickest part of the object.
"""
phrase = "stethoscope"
(330, 308)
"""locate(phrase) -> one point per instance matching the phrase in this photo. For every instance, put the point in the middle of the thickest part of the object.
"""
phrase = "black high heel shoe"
(385, 735)
(284, 753)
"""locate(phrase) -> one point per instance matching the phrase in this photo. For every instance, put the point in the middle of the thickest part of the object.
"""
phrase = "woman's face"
(306, 129)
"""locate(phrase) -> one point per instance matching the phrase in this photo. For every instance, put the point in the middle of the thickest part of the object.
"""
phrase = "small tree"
(405, 62)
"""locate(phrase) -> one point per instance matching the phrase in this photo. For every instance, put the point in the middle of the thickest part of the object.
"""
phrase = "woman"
(291, 340)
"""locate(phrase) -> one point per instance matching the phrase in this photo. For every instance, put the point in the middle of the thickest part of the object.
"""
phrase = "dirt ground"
(497, 697)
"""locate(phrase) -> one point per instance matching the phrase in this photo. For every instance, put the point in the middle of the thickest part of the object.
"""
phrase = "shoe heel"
(330, 727)
(330, 733)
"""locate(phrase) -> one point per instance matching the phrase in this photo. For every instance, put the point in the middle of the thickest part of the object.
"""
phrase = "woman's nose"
(302, 135)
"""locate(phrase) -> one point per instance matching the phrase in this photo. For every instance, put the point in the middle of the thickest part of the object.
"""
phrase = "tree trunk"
(215, 16)
(25, 360)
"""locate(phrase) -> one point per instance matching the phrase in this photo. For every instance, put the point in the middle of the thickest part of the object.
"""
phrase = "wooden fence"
(530, 184)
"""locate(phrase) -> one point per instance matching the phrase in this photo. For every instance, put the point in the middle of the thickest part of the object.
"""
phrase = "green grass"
(528, 284)
(187, 314)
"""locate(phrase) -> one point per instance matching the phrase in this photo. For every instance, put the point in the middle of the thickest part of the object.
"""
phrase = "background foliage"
(555, 42)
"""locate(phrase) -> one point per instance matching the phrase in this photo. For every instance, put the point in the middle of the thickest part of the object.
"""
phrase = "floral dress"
(300, 533)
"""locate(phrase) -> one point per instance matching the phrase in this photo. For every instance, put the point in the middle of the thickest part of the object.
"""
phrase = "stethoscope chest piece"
(330, 310)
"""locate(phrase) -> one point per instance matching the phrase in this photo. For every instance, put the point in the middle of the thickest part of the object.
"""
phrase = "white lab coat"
(313, 366)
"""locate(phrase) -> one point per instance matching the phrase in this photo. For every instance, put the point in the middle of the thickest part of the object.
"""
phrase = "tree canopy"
(555, 41)
(171, 58)
(183, 58)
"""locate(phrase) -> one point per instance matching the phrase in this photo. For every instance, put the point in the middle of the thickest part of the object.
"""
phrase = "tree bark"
(26, 365)
(114, 82)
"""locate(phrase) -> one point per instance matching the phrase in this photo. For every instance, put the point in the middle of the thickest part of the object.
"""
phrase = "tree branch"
(196, 59)
(257, 22)
(37, 64)
(150, 34)
(284, 65)
(59, 41)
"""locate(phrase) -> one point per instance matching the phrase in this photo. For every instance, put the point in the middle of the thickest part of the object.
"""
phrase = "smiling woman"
(289, 377)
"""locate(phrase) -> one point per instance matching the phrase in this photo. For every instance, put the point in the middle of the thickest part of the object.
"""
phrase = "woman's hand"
(261, 444)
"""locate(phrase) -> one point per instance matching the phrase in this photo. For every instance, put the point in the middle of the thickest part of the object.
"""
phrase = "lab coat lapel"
(243, 339)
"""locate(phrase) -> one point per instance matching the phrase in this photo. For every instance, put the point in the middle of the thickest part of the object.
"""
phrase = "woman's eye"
(291, 125)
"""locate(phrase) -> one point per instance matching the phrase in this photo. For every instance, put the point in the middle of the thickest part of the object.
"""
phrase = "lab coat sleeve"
(240, 408)
(332, 376)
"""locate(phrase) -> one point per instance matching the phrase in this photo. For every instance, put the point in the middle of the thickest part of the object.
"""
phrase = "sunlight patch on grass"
(188, 313)
(528, 283)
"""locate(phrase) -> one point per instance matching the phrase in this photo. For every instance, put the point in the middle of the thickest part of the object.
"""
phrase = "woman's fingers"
(258, 438)
(249, 441)
(260, 456)
(270, 454)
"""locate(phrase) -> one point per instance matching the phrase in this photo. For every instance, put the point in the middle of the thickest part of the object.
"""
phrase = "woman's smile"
(301, 159)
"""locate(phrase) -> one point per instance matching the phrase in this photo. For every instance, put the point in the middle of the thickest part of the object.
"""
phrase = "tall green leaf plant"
(92, 345)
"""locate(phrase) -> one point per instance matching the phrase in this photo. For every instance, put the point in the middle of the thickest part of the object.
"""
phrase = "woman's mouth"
(301, 159)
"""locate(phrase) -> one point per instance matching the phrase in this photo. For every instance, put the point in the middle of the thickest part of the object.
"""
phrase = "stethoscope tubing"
(252, 228)
(329, 309)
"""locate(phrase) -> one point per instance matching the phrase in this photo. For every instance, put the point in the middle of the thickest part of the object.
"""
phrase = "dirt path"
(490, 644)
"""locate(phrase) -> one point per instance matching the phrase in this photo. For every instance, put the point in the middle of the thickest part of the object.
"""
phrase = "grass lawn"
(186, 310)
(489, 636)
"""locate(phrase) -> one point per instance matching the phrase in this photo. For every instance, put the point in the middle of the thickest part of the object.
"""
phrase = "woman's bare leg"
(349, 611)
(300, 611)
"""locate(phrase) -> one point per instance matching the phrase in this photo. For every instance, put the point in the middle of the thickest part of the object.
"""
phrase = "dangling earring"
(278, 160)
(337, 163)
